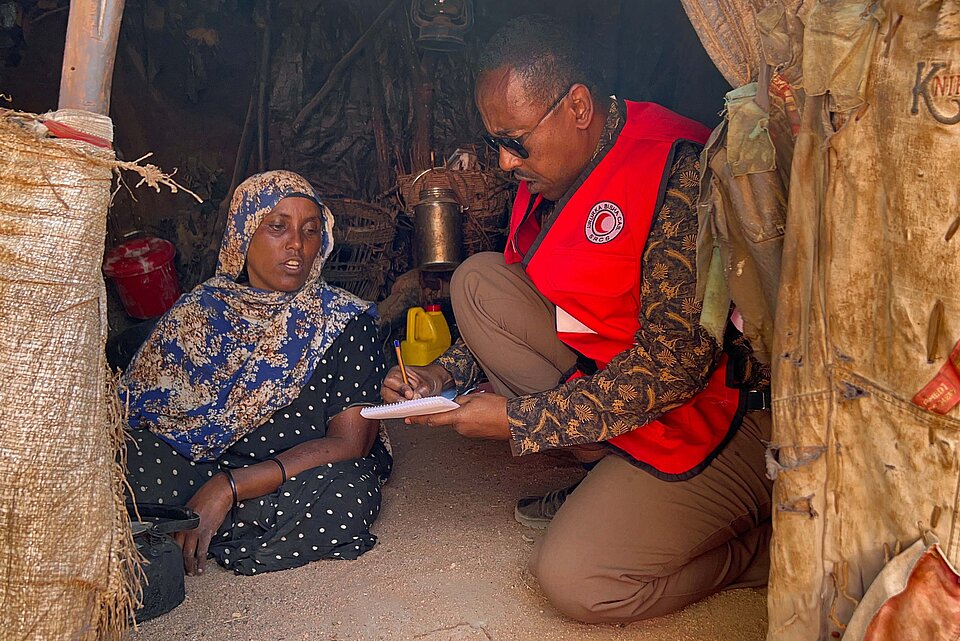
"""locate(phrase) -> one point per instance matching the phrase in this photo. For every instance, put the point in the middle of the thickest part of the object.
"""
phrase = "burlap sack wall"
(65, 556)
(868, 259)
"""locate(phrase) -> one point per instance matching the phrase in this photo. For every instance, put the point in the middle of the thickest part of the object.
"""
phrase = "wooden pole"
(263, 105)
(378, 110)
(89, 54)
(422, 71)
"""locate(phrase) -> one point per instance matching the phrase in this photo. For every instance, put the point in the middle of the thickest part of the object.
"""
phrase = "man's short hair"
(546, 54)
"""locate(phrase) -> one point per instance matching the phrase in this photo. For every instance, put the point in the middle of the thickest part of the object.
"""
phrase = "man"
(587, 327)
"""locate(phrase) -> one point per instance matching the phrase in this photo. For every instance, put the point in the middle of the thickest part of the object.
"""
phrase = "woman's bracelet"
(233, 485)
(283, 470)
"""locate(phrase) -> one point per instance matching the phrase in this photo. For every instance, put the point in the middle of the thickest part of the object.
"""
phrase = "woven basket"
(363, 234)
(365, 279)
(483, 194)
(357, 222)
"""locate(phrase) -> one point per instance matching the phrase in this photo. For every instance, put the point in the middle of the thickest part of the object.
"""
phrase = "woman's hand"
(428, 380)
(479, 416)
(212, 503)
(349, 436)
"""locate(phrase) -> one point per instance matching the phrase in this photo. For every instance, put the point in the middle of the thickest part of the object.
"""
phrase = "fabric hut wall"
(863, 352)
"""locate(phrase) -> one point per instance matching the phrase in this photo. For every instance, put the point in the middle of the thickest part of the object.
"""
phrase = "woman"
(245, 400)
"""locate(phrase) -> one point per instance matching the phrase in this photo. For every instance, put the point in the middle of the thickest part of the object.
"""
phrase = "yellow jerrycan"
(428, 335)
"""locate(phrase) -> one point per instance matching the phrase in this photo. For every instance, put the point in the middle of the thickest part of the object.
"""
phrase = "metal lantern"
(442, 23)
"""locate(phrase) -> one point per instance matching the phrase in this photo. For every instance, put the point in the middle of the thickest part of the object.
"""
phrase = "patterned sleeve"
(459, 361)
(672, 358)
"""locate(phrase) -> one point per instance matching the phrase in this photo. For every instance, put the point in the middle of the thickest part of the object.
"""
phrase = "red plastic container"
(143, 271)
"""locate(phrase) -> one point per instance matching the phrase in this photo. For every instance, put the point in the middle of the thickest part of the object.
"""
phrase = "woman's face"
(285, 245)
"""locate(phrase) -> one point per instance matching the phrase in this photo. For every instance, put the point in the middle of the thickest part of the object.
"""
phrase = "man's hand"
(212, 503)
(428, 380)
(479, 416)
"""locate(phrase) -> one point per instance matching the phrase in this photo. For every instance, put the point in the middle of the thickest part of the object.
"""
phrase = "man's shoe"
(537, 511)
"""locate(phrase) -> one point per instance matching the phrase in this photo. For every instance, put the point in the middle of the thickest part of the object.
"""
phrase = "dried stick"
(243, 152)
(341, 66)
(239, 168)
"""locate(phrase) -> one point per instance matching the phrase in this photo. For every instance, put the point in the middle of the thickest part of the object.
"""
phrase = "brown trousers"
(625, 545)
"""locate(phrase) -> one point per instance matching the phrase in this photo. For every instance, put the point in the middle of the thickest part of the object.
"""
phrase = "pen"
(403, 370)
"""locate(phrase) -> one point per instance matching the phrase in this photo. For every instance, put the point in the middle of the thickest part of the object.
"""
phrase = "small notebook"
(416, 407)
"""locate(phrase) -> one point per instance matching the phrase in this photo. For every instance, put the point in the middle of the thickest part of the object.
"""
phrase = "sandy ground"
(449, 566)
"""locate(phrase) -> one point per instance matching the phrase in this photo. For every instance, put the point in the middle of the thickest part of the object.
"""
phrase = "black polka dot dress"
(324, 512)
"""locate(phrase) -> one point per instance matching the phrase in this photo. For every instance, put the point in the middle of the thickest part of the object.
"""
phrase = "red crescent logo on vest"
(604, 223)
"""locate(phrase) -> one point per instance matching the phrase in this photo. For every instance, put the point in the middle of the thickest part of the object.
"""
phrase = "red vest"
(588, 264)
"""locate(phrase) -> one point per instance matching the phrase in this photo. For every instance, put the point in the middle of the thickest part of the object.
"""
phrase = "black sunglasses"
(515, 145)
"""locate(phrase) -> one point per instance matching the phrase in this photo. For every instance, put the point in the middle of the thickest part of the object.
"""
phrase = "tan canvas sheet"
(868, 311)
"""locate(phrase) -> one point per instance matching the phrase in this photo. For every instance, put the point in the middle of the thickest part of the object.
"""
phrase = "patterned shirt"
(672, 358)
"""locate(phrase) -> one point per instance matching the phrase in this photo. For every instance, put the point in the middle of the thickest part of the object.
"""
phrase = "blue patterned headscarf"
(228, 355)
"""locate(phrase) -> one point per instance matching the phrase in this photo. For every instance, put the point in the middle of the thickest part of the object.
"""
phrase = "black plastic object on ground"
(163, 588)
